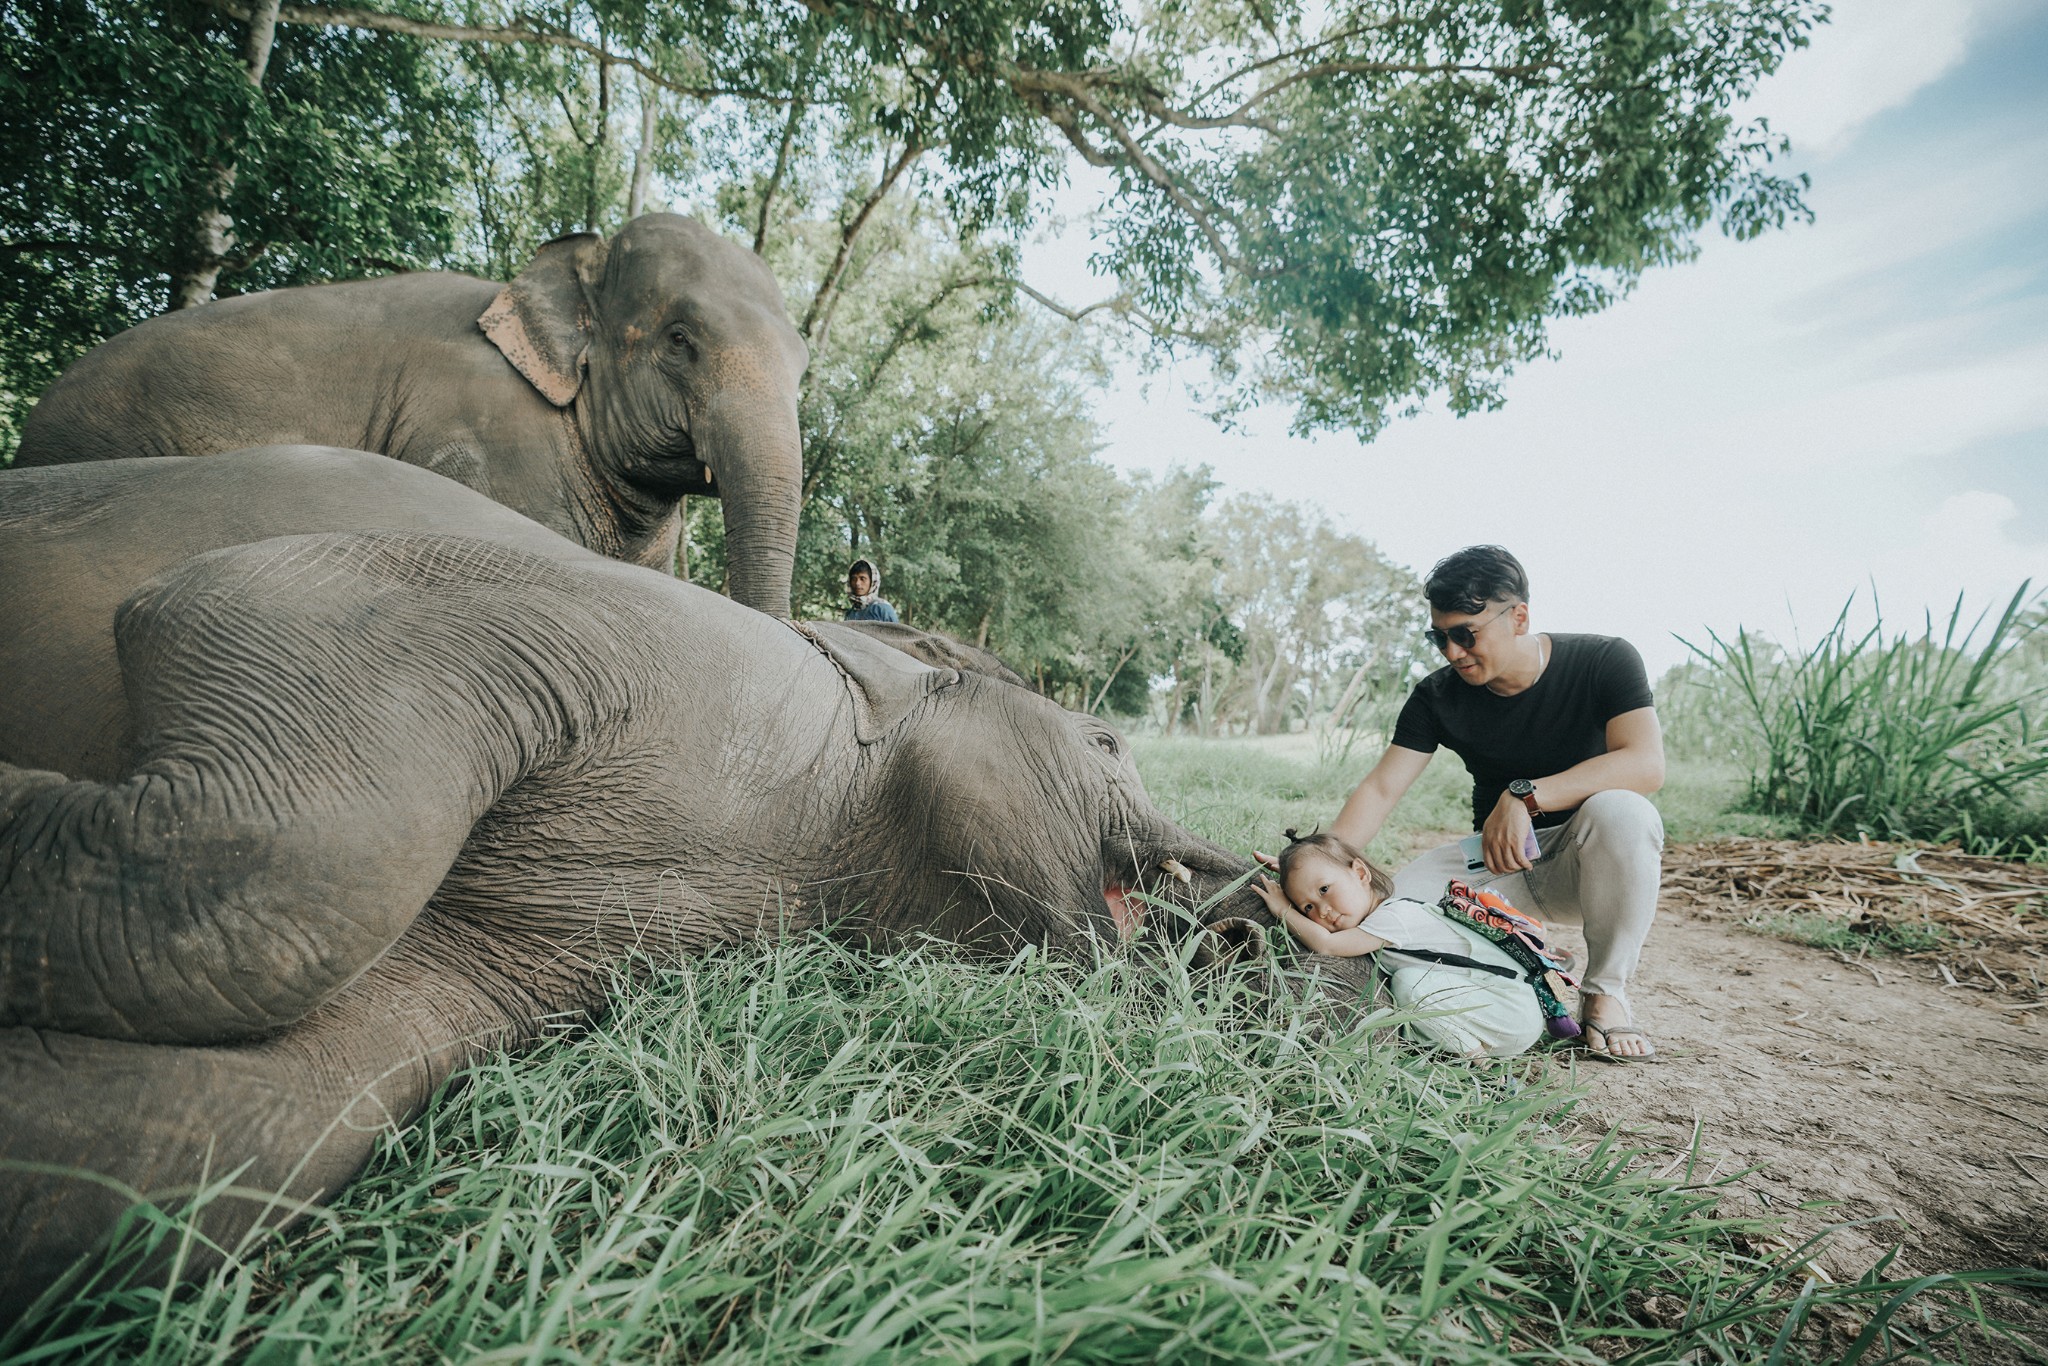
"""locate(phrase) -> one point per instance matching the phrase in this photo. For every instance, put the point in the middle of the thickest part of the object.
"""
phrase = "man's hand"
(1505, 836)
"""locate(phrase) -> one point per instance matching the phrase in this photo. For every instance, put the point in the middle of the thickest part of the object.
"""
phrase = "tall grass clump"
(1928, 736)
(794, 1151)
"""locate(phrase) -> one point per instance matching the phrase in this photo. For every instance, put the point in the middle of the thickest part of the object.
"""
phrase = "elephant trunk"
(1151, 854)
(755, 455)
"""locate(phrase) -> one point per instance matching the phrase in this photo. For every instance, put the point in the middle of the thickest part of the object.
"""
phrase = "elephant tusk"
(709, 477)
(1178, 869)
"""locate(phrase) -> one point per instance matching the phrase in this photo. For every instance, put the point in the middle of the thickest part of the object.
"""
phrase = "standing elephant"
(395, 775)
(591, 393)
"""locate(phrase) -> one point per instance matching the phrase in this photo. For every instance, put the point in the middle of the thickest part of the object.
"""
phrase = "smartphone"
(1475, 858)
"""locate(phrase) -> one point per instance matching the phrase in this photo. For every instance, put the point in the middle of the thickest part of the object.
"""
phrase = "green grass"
(1243, 793)
(1927, 736)
(794, 1151)
(1830, 932)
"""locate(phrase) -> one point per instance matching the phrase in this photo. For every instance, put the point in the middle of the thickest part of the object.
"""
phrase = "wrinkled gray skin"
(320, 775)
(933, 647)
(591, 393)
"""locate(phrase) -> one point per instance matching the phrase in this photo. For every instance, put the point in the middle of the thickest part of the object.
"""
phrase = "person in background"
(864, 586)
(1560, 735)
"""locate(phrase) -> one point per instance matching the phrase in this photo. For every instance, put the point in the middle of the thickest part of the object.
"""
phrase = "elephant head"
(993, 816)
(673, 349)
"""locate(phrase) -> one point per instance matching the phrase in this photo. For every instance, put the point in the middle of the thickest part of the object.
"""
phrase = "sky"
(1858, 406)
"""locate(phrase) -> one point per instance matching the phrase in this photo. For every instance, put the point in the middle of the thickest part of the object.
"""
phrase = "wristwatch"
(1526, 790)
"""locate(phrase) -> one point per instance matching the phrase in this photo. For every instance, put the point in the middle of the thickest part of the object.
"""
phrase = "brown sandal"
(1587, 1031)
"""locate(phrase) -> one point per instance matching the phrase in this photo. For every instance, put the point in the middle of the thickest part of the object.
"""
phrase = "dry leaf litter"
(1976, 923)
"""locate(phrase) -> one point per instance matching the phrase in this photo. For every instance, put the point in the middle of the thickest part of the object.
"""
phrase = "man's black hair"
(1466, 580)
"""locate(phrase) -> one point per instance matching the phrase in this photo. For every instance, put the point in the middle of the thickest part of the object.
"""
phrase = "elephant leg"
(321, 722)
(87, 1126)
(143, 911)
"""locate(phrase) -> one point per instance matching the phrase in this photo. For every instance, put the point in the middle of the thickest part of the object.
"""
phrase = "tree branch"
(789, 127)
(1291, 54)
(1146, 165)
(29, 246)
(1116, 303)
(819, 315)
(1096, 705)
(519, 33)
(1240, 117)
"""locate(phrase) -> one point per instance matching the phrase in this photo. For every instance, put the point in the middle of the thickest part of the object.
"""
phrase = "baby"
(1340, 903)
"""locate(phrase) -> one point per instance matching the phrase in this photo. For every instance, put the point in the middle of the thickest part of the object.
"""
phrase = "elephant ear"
(541, 321)
(883, 682)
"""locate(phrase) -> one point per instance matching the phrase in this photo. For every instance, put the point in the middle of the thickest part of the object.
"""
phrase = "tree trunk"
(1258, 717)
(782, 148)
(1103, 692)
(643, 156)
(683, 539)
(213, 235)
(597, 146)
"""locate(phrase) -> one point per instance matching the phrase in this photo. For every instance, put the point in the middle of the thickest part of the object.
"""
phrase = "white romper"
(1469, 1011)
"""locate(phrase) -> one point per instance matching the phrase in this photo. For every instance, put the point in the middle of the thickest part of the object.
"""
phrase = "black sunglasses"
(1462, 635)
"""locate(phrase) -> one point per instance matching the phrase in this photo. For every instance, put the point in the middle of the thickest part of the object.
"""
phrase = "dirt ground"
(1873, 1084)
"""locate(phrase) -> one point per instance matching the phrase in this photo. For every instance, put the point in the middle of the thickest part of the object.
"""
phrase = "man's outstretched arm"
(1369, 804)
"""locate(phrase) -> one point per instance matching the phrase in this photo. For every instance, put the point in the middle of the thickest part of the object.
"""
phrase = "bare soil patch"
(1903, 1090)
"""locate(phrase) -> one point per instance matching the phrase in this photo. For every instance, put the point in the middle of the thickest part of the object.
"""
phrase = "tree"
(1347, 206)
(137, 159)
(1315, 608)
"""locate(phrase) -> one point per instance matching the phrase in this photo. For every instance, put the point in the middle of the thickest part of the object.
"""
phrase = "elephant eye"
(1107, 743)
(681, 341)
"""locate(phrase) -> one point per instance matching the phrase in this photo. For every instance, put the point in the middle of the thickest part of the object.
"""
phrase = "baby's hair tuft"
(1337, 850)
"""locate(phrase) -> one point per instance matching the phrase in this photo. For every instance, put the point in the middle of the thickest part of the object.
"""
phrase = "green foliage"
(114, 115)
(1346, 209)
(1703, 717)
(792, 1150)
(1927, 737)
(1315, 608)
(1405, 225)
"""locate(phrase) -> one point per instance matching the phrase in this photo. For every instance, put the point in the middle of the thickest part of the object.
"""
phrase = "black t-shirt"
(1556, 722)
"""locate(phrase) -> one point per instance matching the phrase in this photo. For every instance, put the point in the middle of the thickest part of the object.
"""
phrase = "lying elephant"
(935, 648)
(294, 824)
(591, 393)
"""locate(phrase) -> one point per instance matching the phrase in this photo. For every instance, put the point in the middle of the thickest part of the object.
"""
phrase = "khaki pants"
(1599, 870)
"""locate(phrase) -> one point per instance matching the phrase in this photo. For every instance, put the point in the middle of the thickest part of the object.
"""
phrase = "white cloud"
(1967, 543)
(1872, 55)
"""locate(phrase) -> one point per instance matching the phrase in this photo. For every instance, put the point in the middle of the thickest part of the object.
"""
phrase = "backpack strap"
(1456, 960)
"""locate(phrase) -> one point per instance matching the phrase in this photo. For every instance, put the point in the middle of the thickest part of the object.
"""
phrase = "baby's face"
(1335, 895)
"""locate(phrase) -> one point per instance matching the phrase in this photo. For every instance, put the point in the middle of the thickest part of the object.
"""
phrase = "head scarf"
(874, 582)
